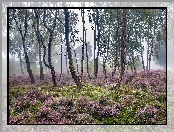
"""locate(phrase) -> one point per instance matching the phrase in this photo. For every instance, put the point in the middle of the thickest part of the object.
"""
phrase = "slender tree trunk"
(23, 43)
(82, 13)
(103, 65)
(147, 68)
(60, 62)
(40, 63)
(98, 40)
(130, 62)
(141, 54)
(20, 57)
(71, 66)
(28, 64)
(50, 63)
(87, 59)
(117, 47)
(150, 55)
(133, 59)
(95, 70)
(40, 45)
(123, 46)
(50, 66)
(67, 62)
(106, 57)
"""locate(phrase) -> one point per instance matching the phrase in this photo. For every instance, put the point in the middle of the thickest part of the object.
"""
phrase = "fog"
(90, 34)
(90, 38)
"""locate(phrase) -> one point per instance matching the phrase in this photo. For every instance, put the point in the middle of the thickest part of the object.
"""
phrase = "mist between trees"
(60, 40)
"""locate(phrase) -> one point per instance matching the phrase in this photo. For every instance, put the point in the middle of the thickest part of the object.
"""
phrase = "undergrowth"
(93, 104)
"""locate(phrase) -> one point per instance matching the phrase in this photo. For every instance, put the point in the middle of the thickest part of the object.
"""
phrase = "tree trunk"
(67, 62)
(147, 54)
(40, 63)
(50, 66)
(98, 40)
(117, 47)
(87, 59)
(123, 46)
(50, 63)
(76, 78)
(82, 13)
(20, 57)
(25, 51)
(28, 64)
(40, 45)
(133, 59)
(60, 62)
(95, 70)
(141, 52)
(147, 68)
(130, 62)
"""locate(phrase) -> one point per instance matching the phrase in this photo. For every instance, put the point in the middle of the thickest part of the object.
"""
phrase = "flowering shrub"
(94, 108)
(111, 111)
(149, 114)
(94, 103)
(140, 83)
(84, 119)
(80, 104)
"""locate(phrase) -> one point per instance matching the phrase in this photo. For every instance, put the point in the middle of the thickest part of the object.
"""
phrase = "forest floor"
(138, 100)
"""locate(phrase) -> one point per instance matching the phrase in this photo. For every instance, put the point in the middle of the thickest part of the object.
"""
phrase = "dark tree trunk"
(148, 62)
(128, 50)
(98, 40)
(150, 52)
(130, 62)
(95, 70)
(142, 59)
(25, 51)
(28, 67)
(147, 68)
(50, 63)
(77, 68)
(49, 47)
(103, 65)
(150, 56)
(123, 46)
(40, 45)
(61, 60)
(71, 66)
(106, 57)
(40, 63)
(82, 14)
(117, 47)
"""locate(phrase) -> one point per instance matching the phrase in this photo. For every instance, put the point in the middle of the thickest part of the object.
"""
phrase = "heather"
(139, 99)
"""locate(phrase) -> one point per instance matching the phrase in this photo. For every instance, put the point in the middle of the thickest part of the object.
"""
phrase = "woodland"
(61, 78)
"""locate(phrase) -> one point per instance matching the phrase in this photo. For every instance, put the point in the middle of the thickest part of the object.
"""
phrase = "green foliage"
(17, 91)
(91, 104)
(149, 23)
